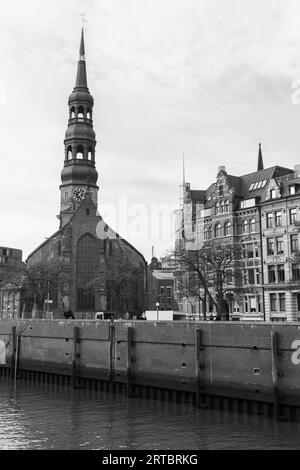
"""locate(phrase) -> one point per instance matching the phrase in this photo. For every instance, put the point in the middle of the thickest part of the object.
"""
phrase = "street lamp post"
(157, 307)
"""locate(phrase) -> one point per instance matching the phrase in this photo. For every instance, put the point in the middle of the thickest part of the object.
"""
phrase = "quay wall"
(250, 362)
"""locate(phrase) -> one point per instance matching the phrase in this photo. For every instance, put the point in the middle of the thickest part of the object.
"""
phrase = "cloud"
(210, 78)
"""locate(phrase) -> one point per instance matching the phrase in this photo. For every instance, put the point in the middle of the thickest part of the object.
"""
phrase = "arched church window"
(90, 154)
(72, 113)
(86, 270)
(69, 153)
(89, 114)
(80, 152)
(80, 114)
(218, 230)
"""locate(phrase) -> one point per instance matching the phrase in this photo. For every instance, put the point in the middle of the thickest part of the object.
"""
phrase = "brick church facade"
(105, 272)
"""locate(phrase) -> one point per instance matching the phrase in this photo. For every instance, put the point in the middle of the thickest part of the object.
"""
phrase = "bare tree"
(206, 273)
(35, 282)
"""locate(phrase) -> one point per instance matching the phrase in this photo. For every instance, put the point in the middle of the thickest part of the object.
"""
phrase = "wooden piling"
(129, 359)
(13, 352)
(274, 374)
(111, 371)
(198, 365)
(76, 357)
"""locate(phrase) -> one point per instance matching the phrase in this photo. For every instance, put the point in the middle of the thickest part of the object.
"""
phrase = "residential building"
(260, 214)
(10, 301)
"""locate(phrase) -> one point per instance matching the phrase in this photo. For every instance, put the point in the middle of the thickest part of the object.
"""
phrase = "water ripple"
(43, 416)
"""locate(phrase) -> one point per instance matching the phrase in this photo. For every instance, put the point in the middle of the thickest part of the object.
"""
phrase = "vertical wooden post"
(13, 351)
(76, 357)
(17, 355)
(129, 358)
(274, 374)
(111, 371)
(197, 367)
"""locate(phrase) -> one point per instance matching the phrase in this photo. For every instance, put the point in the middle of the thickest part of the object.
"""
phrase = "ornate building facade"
(10, 300)
(106, 273)
(260, 214)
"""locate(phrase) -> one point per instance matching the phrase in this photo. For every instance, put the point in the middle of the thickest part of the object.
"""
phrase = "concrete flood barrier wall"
(253, 368)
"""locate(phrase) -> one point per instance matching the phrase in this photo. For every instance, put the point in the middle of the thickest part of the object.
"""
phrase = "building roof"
(198, 195)
(242, 184)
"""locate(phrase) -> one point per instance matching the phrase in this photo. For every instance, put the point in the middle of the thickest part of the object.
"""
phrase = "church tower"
(79, 175)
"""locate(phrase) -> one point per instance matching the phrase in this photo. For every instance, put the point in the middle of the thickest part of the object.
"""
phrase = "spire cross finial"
(83, 19)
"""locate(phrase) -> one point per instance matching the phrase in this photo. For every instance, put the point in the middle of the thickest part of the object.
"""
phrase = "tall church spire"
(260, 164)
(81, 79)
(79, 174)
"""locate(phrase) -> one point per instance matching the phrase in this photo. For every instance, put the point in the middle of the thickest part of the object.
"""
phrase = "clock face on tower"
(79, 194)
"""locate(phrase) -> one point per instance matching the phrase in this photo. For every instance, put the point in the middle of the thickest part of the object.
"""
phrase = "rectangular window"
(252, 300)
(257, 276)
(292, 190)
(270, 220)
(282, 302)
(271, 274)
(270, 246)
(162, 291)
(272, 194)
(250, 252)
(169, 291)
(281, 273)
(298, 302)
(258, 302)
(294, 243)
(279, 245)
(251, 277)
(293, 213)
(273, 303)
(278, 218)
(296, 272)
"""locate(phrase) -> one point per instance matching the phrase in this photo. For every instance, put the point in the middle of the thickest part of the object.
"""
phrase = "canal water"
(44, 416)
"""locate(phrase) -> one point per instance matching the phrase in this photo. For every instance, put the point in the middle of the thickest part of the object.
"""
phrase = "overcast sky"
(205, 77)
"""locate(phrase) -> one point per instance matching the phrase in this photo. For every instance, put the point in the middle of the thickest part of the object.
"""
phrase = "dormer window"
(272, 194)
(221, 190)
(292, 190)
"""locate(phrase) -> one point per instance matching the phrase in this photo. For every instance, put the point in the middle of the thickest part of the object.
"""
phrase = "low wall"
(258, 362)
